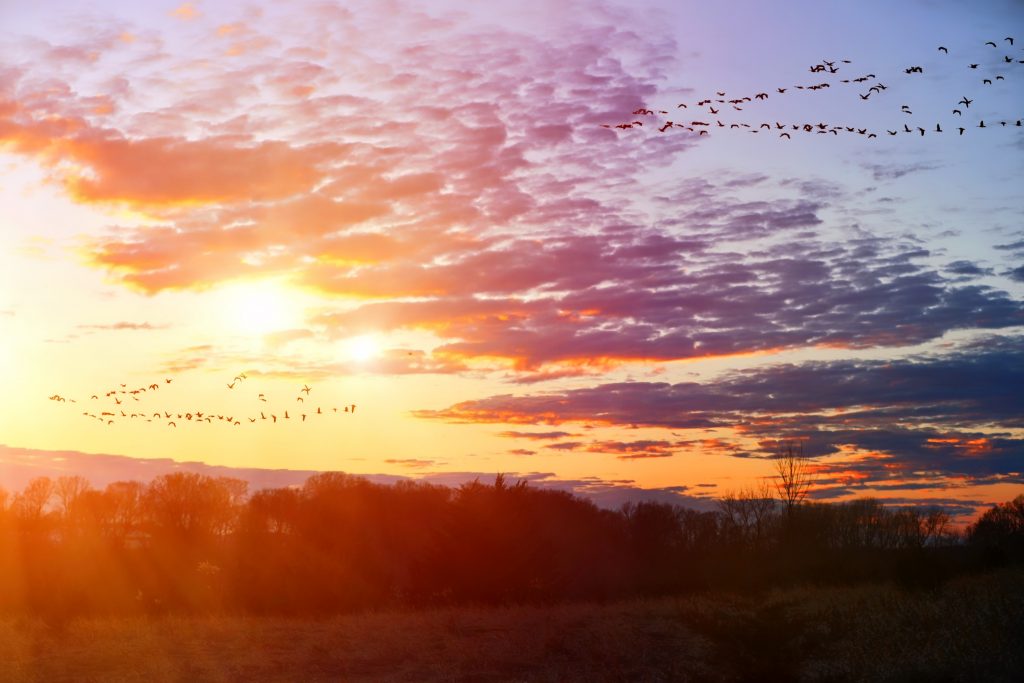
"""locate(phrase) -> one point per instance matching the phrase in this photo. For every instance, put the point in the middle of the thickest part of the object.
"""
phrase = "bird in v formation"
(172, 418)
(830, 67)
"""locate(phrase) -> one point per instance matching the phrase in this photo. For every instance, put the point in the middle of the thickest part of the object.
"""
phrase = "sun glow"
(363, 348)
(261, 307)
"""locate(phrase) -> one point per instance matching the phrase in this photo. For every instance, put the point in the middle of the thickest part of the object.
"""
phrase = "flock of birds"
(121, 406)
(715, 105)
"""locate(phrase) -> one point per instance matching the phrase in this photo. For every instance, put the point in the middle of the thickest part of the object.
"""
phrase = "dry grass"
(971, 629)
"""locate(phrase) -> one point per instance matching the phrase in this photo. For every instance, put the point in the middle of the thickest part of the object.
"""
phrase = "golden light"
(363, 348)
(260, 307)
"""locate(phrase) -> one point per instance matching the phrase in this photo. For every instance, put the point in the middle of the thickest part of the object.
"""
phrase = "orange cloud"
(186, 12)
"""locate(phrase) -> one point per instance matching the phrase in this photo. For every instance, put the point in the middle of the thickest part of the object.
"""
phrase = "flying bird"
(990, 43)
(943, 49)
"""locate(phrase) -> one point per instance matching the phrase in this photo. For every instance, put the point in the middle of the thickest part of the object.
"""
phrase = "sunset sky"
(417, 208)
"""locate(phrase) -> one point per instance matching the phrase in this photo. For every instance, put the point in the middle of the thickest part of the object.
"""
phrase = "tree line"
(193, 543)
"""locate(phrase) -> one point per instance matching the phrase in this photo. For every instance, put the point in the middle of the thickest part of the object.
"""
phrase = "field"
(969, 629)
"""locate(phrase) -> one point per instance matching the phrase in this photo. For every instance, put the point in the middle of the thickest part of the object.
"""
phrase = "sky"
(444, 215)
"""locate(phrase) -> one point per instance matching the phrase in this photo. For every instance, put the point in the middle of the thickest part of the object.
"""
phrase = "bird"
(761, 96)
(306, 388)
(172, 424)
(966, 102)
(958, 112)
(167, 381)
(262, 398)
(785, 135)
(781, 90)
(1008, 39)
(990, 43)
(299, 399)
(938, 128)
(232, 385)
(943, 49)
(973, 66)
(961, 130)
(982, 124)
(986, 81)
(892, 132)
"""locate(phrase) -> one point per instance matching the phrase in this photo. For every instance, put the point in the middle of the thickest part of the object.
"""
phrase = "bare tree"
(31, 502)
(795, 475)
(69, 489)
(747, 514)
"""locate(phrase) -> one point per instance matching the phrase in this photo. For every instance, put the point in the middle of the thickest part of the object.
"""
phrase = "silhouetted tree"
(795, 475)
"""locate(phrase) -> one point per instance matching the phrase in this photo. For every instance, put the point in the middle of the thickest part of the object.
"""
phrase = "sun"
(363, 348)
(260, 307)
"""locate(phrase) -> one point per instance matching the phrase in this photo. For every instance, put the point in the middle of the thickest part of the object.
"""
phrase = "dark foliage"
(189, 543)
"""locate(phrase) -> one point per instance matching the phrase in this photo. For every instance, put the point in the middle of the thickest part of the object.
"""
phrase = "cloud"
(123, 325)
(411, 463)
(624, 450)
(535, 435)
(956, 415)
(408, 179)
(186, 11)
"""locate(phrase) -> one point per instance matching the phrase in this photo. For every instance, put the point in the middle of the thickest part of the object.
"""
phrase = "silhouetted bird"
(944, 49)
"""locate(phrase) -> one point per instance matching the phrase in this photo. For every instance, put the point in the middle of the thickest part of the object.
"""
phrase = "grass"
(969, 629)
